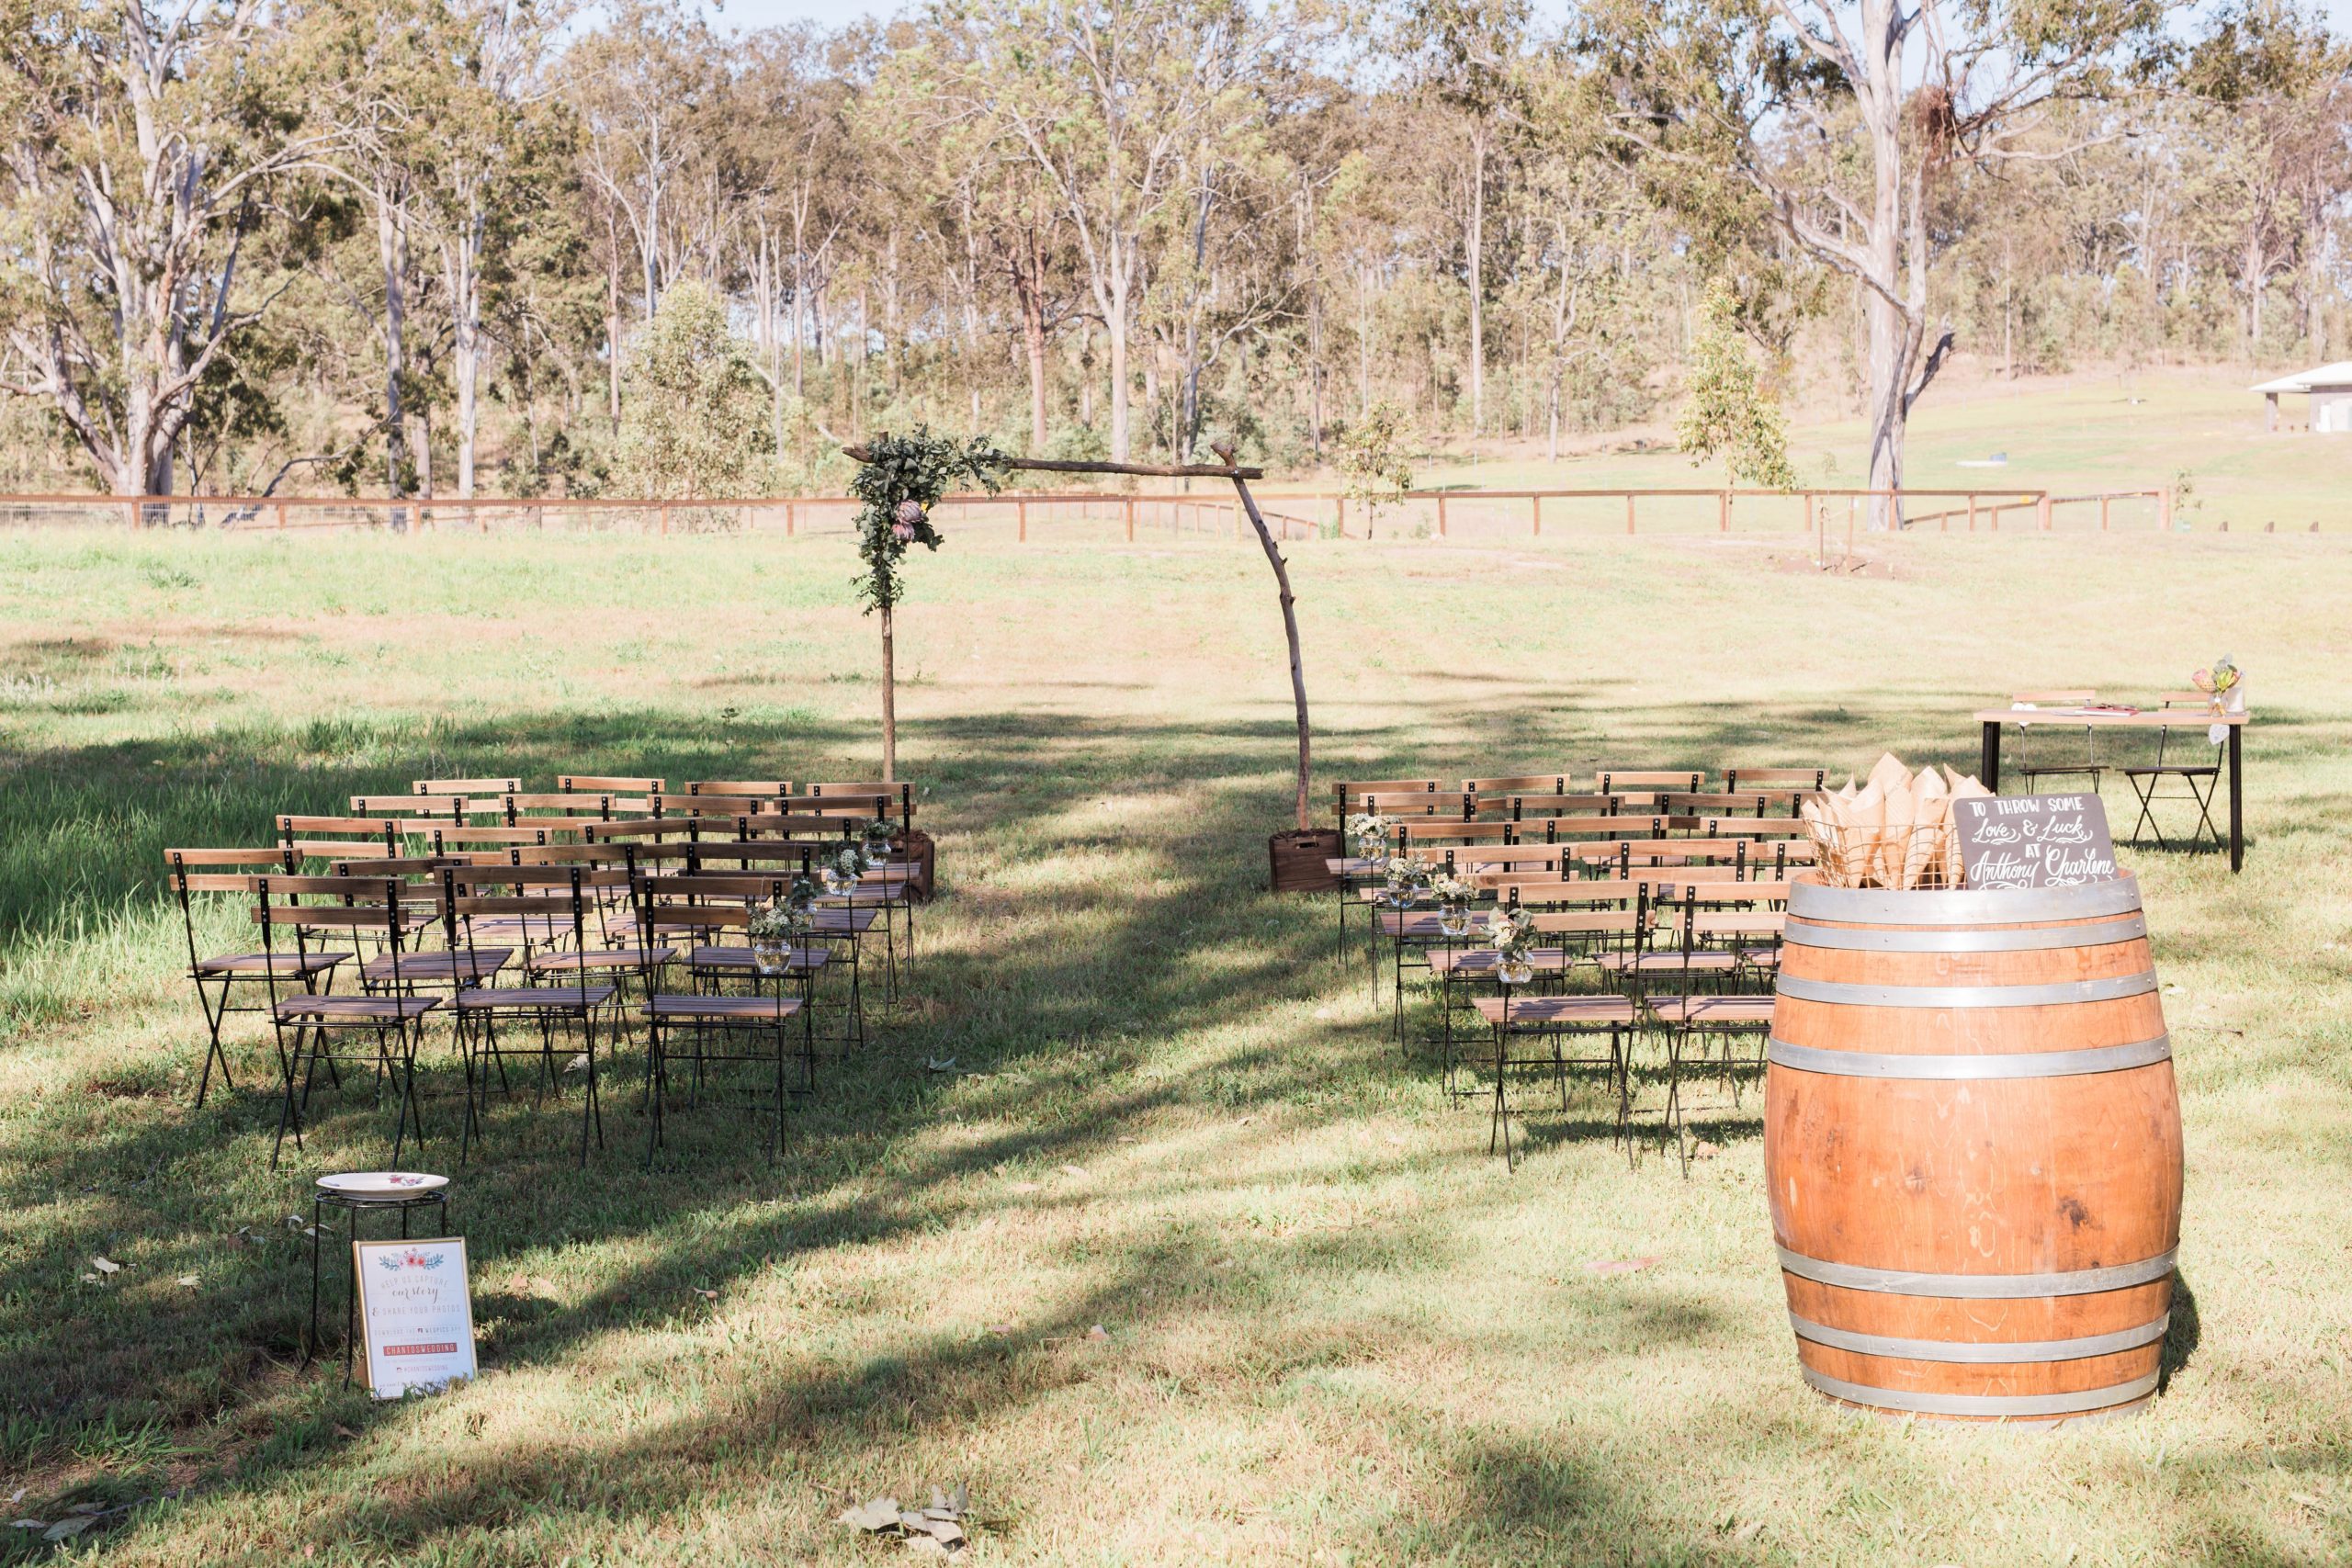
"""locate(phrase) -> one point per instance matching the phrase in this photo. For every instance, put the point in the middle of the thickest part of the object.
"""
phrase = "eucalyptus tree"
(152, 151)
(1848, 117)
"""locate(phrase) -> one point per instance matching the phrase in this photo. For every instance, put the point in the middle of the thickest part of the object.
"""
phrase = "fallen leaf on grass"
(1026, 1186)
(66, 1529)
(106, 1266)
(343, 1431)
(2308, 1501)
(1621, 1265)
(1323, 1013)
(1078, 1171)
(881, 1514)
(1098, 1332)
(940, 1064)
(187, 1281)
(999, 1328)
(1702, 1149)
(707, 1295)
(1747, 1532)
(17, 1496)
(28, 1524)
(579, 1062)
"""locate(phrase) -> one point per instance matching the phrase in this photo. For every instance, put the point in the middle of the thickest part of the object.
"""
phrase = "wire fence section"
(1826, 516)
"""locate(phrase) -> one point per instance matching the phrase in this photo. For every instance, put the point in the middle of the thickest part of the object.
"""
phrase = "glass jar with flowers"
(878, 834)
(1453, 897)
(1368, 836)
(1511, 931)
(1404, 882)
(2221, 684)
(847, 866)
(773, 929)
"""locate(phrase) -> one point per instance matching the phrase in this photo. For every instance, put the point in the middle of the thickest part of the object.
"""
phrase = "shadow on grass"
(1071, 948)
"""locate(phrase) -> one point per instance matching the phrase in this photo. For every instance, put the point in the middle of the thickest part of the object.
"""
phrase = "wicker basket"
(1295, 860)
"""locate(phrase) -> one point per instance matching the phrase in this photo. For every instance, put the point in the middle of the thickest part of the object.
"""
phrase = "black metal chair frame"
(715, 902)
(395, 1022)
(228, 970)
(2144, 781)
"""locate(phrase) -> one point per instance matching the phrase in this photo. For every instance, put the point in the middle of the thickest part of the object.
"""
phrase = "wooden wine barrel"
(1972, 1144)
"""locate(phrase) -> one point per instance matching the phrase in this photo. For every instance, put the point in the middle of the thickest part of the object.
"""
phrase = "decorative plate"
(381, 1184)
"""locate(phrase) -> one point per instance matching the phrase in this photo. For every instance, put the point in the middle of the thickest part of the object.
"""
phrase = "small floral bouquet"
(773, 927)
(878, 834)
(1403, 881)
(2219, 682)
(848, 865)
(1368, 835)
(1510, 931)
(1453, 897)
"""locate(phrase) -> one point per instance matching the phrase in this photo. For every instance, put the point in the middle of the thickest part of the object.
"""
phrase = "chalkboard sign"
(2033, 840)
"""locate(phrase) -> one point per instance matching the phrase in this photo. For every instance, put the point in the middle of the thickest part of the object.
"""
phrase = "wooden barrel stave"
(1921, 1148)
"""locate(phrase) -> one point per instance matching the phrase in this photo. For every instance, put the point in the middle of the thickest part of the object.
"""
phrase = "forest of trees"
(492, 247)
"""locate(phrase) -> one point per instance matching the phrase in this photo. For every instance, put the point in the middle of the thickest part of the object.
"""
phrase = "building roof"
(2336, 375)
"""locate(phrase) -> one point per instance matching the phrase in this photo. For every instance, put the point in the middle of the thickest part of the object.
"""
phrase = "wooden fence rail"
(1296, 515)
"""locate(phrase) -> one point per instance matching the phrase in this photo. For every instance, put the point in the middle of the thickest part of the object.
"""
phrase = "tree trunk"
(1475, 244)
(392, 248)
(890, 703)
(1290, 634)
(1114, 326)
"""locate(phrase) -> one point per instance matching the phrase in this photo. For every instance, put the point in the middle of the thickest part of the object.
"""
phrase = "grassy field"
(1335, 1330)
(2074, 434)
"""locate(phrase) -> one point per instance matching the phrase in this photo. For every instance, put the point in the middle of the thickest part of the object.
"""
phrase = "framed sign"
(2033, 840)
(416, 1315)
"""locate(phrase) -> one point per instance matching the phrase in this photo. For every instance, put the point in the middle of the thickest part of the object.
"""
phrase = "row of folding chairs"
(544, 944)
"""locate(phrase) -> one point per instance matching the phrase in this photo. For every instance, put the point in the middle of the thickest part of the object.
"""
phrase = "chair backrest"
(1522, 784)
(1572, 829)
(900, 794)
(711, 803)
(1613, 780)
(333, 837)
(465, 786)
(1721, 803)
(1417, 835)
(1554, 804)
(1352, 791)
(218, 871)
(702, 903)
(450, 840)
(440, 807)
(1739, 827)
(541, 892)
(348, 907)
(758, 789)
(1736, 780)
(591, 783)
(561, 812)
(1539, 892)
(1407, 804)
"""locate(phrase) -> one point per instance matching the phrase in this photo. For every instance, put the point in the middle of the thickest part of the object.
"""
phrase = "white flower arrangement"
(779, 921)
(1368, 834)
(1451, 889)
(1510, 931)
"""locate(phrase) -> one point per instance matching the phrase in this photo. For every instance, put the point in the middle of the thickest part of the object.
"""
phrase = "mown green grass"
(1336, 1330)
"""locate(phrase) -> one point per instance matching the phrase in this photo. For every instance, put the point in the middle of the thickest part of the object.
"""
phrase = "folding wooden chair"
(216, 977)
(2199, 778)
(1685, 982)
(323, 838)
(2054, 764)
(1548, 1022)
(715, 1023)
(767, 789)
(307, 1020)
(884, 797)
(469, 893)
(590, 784)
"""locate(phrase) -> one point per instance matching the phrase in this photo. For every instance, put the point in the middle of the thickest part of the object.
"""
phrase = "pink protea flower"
(909, 516)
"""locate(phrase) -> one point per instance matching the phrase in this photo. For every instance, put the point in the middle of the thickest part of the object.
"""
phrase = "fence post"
(1131, 519)
(281, 517)
(1723, 513)
(2043, 511)
(1629, 511)
(1441, 514)
(791, 521)
(1850, 509)
(2102, 514)
(1343, 503)
(1539, 514)
(1021, 509)
(2164, 509)
(665, 518)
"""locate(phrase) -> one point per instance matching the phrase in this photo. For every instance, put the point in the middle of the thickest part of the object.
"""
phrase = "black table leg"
(2237, 832)
(1988, 765)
